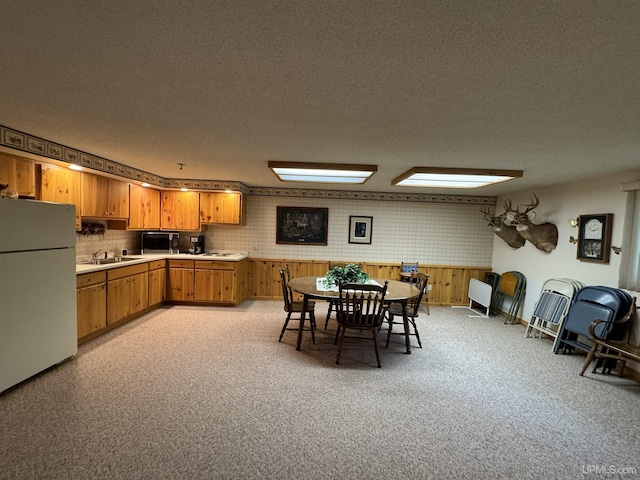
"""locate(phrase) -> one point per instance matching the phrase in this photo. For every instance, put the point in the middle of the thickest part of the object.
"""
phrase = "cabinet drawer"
(116, 273)
(156, 264)
(176, 263)
(213, 265)
(91, 279)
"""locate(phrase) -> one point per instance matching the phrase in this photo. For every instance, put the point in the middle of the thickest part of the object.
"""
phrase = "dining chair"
(360, 307)
(334, 302)
(295, 306)
(394, 309)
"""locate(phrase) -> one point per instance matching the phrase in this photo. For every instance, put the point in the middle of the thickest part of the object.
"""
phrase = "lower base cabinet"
(157, 282)
(180, 284)
(91, 303)
(127, 292)
(215, 282)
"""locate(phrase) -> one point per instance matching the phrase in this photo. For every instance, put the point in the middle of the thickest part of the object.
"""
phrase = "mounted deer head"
(543, 236)
(508, 233)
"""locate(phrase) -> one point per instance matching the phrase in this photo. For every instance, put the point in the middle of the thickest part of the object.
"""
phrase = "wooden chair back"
(286, 291)
(420, 281)
(361, 305)
(409, 267)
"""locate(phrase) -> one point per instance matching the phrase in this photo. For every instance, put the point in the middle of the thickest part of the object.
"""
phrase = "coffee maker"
(197, 244)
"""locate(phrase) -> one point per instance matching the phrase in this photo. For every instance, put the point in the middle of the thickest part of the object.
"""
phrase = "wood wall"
(450, 284)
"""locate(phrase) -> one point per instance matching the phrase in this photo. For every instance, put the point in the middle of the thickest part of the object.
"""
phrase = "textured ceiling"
(549, 87)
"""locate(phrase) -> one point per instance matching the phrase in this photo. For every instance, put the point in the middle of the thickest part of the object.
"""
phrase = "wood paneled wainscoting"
(449, 284)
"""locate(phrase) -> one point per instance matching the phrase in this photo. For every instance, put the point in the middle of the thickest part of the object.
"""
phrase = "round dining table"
(397, 291)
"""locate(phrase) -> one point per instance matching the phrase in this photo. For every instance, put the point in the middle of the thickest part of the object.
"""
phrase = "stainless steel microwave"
(159, 242)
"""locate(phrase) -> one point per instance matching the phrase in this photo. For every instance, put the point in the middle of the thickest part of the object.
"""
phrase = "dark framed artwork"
(360, 229)
(302, 226)
(594, 241)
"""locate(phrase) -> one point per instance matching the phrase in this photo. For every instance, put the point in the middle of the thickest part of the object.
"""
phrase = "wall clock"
(594, 242)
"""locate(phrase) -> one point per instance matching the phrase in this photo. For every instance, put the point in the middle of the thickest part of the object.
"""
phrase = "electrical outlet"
(255, 247)
(429, 287)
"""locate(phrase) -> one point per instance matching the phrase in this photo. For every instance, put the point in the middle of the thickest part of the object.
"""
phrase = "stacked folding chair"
(593, 303)
(512, 286)
(552, 307)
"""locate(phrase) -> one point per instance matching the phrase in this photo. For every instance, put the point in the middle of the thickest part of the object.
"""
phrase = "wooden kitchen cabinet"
(19, 173)
(61, 185)
(157, 282)
(215, 282)
(220, 207)
(180, 211)
(91, 303)
(103, 197)
(144, 208)
(180, 280)
(127, 292)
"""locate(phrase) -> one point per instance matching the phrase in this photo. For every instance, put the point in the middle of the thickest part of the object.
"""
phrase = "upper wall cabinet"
(104, 197)
(220, 207)
(180, 211)
(19, 173)
(144, 208)
(61, 185)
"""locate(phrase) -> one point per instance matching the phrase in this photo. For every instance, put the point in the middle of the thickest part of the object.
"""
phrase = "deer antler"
(532, 205)
(486, 211)
(508, 207)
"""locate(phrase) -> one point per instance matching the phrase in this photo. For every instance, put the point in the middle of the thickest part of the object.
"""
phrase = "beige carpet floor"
(209, 393)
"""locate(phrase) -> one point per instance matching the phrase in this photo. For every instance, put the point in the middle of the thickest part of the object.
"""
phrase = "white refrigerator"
(38, 326)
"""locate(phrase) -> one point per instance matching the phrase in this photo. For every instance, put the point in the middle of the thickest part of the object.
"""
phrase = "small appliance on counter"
(159, 242)
(197, 244)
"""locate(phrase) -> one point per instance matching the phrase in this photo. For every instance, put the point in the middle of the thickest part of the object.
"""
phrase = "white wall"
(558, 204)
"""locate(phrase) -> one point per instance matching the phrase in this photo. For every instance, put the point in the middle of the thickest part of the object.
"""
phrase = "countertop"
(136, 259)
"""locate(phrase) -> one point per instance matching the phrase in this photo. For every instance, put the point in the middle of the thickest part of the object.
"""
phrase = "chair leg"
(340, 346)
(389, 331)
(375, 344)
(312, 325)
(335, 340)
(284, 328)
(415, 329)
(587, 360)
(326, 322)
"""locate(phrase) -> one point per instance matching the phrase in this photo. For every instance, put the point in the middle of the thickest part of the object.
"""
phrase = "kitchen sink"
(104, 261)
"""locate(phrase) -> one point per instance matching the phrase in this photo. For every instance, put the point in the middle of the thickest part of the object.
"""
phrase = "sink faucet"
(94, 256)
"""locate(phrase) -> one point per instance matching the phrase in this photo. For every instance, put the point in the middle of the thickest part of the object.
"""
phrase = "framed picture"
(360, 229)
(594, 242)
(302, 226)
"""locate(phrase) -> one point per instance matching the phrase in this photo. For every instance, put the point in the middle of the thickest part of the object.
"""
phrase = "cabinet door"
(117, 300)
(157, 284)
(92, 309)
(214, 286)
(118, 199)
(62, 185)
(144, 208)
(180, 286)
(138, 293)
(224, 286)
(19, 173)
(180, 211)
(95, 196)
(204, 285)
(218, 207)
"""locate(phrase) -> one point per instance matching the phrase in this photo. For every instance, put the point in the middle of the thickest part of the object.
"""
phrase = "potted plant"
(350, 273)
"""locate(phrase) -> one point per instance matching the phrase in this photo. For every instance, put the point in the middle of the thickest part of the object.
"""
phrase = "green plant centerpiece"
(350, 273)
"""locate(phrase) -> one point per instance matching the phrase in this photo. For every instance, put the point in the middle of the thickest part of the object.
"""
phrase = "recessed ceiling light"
(322, 172)
(453, 177)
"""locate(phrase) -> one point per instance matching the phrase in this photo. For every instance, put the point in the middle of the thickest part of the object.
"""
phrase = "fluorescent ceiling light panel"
(453, 177)
(322, 172)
